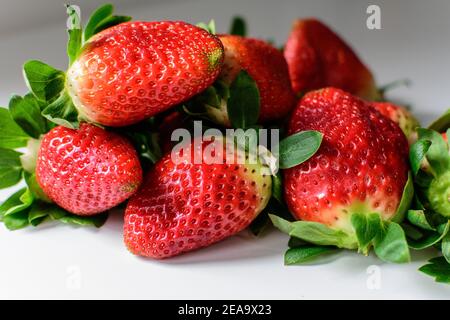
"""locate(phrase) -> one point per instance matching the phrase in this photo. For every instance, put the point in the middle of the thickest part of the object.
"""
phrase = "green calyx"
(359, 229)
(438, 194)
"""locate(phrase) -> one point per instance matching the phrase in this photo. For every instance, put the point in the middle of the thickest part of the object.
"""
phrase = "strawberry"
(183, 206)
(401, 116)
(360, 168)
(87, 171)
(317, 58)
(135, 70)
(266, 66)
(122, 74)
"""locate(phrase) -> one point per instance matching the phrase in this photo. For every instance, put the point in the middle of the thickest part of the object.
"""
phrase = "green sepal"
(33, 186)
(442, 123)
(367, 228)
(417, 154)
(445, 247)
(391, 245)
(210, 26)
(430, 238)
(419, 219)
(10, 168)
(298, 148)
(62, 112)
(11, 135)
(438, 268)
(101, 19)
(244, 102)
(277, 187)
(306, 253)
(316, 233)
(438, 153)
(26, 112)
(44, 81)
(74, 43)
(405, 201)
(238, 26)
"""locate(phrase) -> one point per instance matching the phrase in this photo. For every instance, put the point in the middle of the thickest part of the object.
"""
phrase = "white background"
(62, 262)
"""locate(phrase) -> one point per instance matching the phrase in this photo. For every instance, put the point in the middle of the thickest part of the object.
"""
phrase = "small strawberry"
(122, 74)
(183, 206)
(317, 58)
(87, 171)
(266, 66)
(401, 116)
(360, 169)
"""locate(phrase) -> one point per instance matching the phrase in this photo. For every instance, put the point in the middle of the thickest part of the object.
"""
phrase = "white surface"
(46, 262)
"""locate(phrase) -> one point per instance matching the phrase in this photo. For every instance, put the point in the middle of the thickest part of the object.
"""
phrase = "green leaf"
(438, 153)
(314, 232)
(296, 242)
(26, 112)
(62, 112)
(19, 201)
(429, 240)
(111, 22)
(33, 186)
(305, 253)
(100, 14)
(38, 212)
(75, 34)
(438, 268)
(390, 245)
(445, 247)
(10, 168)
(97, 220)
(417, 153)
(11, 135)
(405, 201)
(277, 187)
(442, 123)
(210, 27)
(367, 227)
(17, 220)
(419, 219)
(298, 148)
(244, 102)
(44, 81)
(412, 232)
(238, 26)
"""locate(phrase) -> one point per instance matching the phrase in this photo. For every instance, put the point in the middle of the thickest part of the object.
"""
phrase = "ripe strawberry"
(135, 70)
(401, 116)
(318, 58)
(266, 66)
(185, 206)
(87, 171)
(361, 166)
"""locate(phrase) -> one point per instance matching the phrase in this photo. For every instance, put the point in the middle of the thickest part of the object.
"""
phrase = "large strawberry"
(400, 115)
(87, 171)
(355, 182)
(266, 66)
(185, 204)
(317, 58)
(128, 72)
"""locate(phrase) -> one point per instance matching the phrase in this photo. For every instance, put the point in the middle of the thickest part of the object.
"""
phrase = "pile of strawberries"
(356, 172)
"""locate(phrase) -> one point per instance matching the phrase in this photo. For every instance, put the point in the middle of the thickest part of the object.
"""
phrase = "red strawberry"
(266, 66)
(87, 171)
(135, 70)
(361, 166)
(317, 58)
(401, 116)
(186, 206)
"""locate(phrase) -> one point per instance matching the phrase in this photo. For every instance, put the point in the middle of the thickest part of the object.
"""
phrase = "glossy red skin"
(267, 66)
(87, 171)
(317, 58)
(187, 206)
(363, 158)
(135, 70)
(173, 121)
